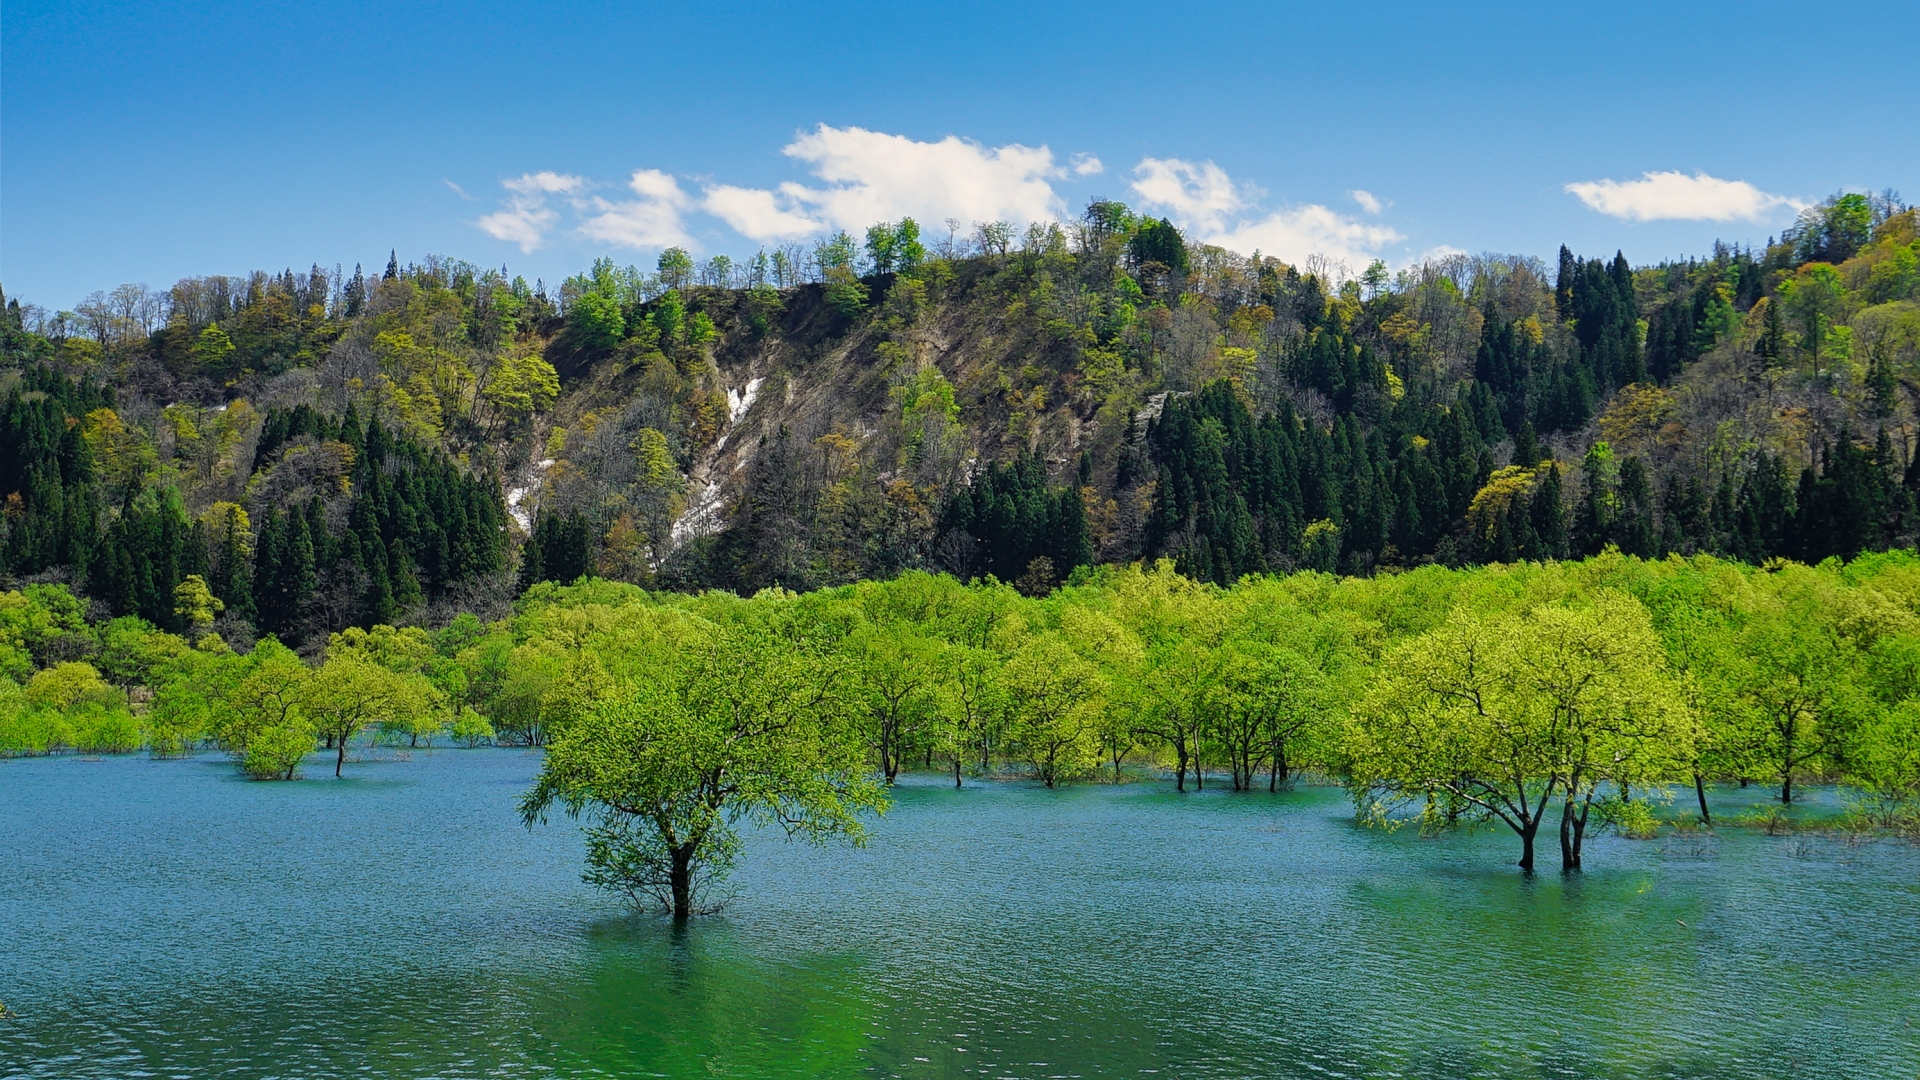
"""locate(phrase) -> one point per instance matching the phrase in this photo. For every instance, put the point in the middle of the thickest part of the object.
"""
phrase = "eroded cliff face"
(806, 444)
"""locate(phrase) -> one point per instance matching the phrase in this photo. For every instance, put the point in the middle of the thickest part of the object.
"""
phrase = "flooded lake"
(169, 919)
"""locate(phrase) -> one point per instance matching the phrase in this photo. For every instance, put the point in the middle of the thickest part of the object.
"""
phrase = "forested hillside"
(337, 449)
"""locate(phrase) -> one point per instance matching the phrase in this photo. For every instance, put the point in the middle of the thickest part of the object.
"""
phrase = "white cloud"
(1199, 195)
(1202, 199)
(863, 177)
(879, 177)
(1663, 196)
(523, 225)
(654, 220)
(756, 213)
(1296, 233)
(527, 217)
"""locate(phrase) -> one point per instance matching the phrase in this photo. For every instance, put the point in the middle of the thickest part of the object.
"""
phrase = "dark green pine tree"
(1685, 518)
(1526, 446)
(1765, 513)
(406, 583)
(1074, 544)
(232, 579)
(1549, 516)
(1563, 283)
(1772, 344)
(533, 568)
(269, 552)
(1594, 521)
(325, 548)
(297, 573)
(376, 606)
(1635, 531)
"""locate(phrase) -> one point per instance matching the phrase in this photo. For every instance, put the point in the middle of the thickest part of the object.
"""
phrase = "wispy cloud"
(1368, 200)
(1675, 196)
(458, 190)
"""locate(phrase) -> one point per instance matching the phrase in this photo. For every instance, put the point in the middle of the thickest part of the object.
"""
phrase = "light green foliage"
(262, 721)
(1054, 698)
(1815, 300)
(194, 603)
(212, 348)
(1503, 714)
(1531, 693)
(350, 692)
(521, 385)
(71, 684)
(37, 622)
(669, 316)
(596, 321)
(1320, 546)
(403, 650)
(192, 694)
(17, 736)
(133, 653)
(733, 719)
(471, 728)
(1793, 683)
(895, 674)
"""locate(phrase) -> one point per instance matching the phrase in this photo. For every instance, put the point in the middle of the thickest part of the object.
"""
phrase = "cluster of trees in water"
(1562, 695)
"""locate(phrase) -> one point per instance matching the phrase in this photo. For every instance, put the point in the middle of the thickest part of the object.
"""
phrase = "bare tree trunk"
(340, 760)
(1786, 767)
(1700, 791)
(1573, 828)
(680, 879)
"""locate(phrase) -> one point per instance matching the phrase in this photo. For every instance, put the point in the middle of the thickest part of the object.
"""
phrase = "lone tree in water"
(735, 719)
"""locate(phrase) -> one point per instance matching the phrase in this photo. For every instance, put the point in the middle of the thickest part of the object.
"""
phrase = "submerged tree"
(1495, 717)
(735, 720)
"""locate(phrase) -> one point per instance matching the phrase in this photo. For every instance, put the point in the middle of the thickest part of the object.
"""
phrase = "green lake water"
(169, 919)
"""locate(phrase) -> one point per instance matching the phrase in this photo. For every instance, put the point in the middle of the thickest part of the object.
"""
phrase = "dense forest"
(332, 450)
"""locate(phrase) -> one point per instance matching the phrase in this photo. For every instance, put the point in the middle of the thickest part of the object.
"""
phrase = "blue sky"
(145, 142)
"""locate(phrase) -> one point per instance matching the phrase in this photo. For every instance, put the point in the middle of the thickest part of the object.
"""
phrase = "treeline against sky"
(332, 450)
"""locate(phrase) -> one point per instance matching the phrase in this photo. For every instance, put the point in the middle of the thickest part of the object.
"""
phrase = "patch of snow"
(739, 401)
(517, 496)
(703, 512)
(701, 518)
